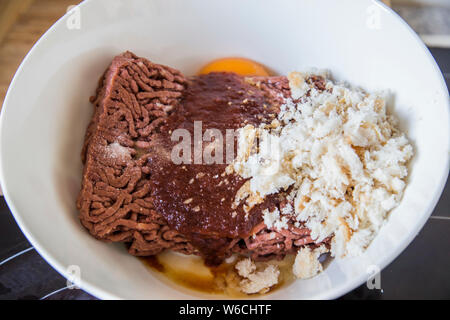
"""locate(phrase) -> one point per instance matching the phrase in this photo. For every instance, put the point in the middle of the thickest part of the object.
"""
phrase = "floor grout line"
(56, 291)
(439, 218)
(15, 255)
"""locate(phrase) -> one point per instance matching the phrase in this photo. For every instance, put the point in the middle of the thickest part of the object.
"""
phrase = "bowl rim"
(335, 292)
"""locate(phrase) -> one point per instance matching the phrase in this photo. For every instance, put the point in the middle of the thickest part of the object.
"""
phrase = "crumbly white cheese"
(342, 155)
(256, 281)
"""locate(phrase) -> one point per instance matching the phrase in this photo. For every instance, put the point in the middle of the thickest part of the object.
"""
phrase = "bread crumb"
(256, 281)
(273, 220)
(338, 151)
(307, 264)
(200, 175)
(245, 267)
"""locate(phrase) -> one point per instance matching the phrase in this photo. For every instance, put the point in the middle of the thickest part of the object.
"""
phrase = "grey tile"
(420, 272)
(442, 57)
(28, 276)
(12, 239)
(443, 206)
(70, 294)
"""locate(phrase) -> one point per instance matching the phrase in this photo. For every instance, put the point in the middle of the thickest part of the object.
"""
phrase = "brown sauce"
(196, 199)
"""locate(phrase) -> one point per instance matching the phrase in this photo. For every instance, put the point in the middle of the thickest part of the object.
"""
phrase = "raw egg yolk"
(242, 66)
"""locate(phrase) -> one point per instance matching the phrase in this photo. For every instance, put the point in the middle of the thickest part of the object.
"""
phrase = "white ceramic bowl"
(46, 112)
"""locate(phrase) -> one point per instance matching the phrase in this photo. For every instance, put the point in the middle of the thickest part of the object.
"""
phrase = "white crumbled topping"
(270, 217)
(298, 84)
(287, 209)
(256, 281)
(245, 267)
(231, 259)
(273, 220)
(262, 166)
(117, 151)
(251, 199)
(339, 151)
(307, 264)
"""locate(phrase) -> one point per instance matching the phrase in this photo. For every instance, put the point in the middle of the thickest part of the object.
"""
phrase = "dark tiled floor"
(420, 272)
(442, 57)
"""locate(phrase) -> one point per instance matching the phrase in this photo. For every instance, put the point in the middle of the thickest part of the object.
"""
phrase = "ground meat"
(134, 99)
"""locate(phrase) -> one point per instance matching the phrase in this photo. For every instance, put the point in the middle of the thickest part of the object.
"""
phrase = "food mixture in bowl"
(252, 173)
